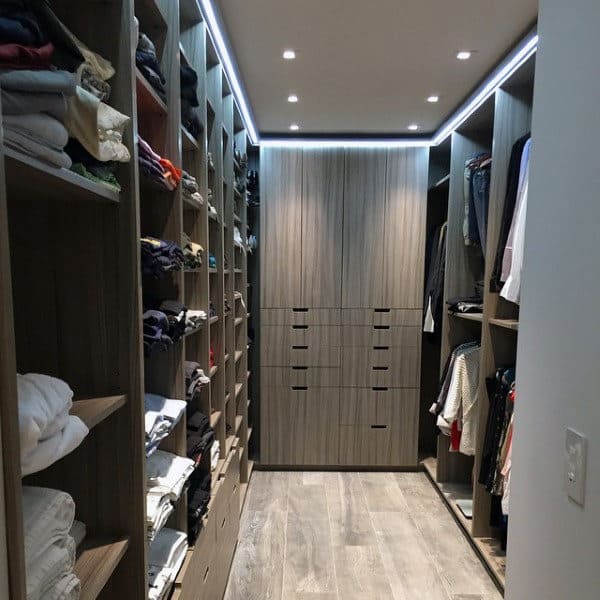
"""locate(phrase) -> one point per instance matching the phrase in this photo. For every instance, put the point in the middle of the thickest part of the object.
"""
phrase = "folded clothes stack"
(78, 532)
(192, 253)
(194, 378)
(190, 189)
(466, 304)
(146, 61)
(212, 261)
(47, 431)
(156, 332)
(176, 315)
(166, 555)
(198, 499)
(157, 169)
(189, 100)
(200, 436)
(162, 415)
(166, 477)
(160, 256)
(237, 238)
(194, 319)
(49, 549)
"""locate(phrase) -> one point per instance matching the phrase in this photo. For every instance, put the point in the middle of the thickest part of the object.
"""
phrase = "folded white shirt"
(168, 471)
(166, 555)
(158, 510)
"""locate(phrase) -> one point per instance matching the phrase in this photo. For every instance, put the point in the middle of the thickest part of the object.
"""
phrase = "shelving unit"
(90, 331)
(493, 128)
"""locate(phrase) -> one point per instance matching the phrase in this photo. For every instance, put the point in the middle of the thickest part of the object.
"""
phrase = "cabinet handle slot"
(378, 426)
(380, 389)
(381, 326)
(205, 575)
(302, 310)
(299, 347)
(299, 326)
(383, 310)
(381, 368)
(381, 347)
(299, 368)
(299, 388)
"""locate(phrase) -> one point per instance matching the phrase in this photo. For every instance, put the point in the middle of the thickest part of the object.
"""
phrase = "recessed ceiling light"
(294, 127)
(292, 98)
(289, 54)
(433, 99)
(413, 127)
(464, 55)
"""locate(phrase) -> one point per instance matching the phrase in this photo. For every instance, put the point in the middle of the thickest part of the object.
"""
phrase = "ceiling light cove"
(289, 54)
(292, 98)
(294, 127)
(433, 98)
(464, 55)
(413, 127)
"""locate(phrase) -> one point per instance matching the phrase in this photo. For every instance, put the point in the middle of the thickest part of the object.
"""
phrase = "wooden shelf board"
(512, 324)
(226, 357)
(226, 271)
(188, 141)
(227, 398)
(217, 472)
(236, 219)
(194, 331)
(213, 371)
(150, 13)
(243, 494)
(229, 441)
(238, 355)
(238, 321)
(93, 411)
(26, 173)
(148, 100)
(212, 270)
(238, 423)
(250, 430)
(215, 418)
(238, 389)
(238, 271)
(96, 563)
(213, 320)
(477, 317)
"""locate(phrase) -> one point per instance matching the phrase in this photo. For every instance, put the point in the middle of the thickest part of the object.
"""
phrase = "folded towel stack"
(167, 553)
(200, 436)
(160, 256)
(146, 61)
(237, 238)
(194, 376)
(192, 253)
(157, 169)
(162, 415)
(166, 476)
(194, 319)
(190, 189)
(49, 549)
(198, 499)
(47, 430)
(189, 100)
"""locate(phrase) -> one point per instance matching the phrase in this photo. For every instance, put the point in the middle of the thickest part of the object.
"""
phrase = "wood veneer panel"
(364, 221)
(322, 217)
(281, 225)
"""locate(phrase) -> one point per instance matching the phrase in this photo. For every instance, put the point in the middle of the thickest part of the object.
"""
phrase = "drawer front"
(300, 316)
(196, 582)
(300, 376)
(380, 336)
(394, 317)
(299, 425)
(386, 367)
(281, 344)
(393, 407)
(301, 355)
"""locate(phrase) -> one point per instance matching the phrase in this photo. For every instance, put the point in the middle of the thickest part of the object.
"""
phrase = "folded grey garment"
(27, 103)
(61, 82)
(78, 532)
(39, 127)
(38, 150)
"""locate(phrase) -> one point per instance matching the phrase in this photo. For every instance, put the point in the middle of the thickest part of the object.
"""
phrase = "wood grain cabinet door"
(322, 218)
(404, 237)
(281, 227)
(364, 217)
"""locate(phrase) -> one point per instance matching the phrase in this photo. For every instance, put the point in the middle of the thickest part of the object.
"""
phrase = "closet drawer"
(394, 317)
(196, 582)
(393, 407)
(284, 336)
(390, 367)
(229, 482)
(300, 316)
(228, 531)
(301, 355)
(299, 425)
(380, 336)
(304, 376)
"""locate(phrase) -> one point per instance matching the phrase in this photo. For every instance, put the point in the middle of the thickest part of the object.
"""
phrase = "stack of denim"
(160, 256)
(476, 198)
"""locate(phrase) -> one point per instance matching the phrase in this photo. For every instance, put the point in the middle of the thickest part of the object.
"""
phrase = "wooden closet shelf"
(238, 271)
(188, 141)
(238, 424)
(96, 563)
(477, 317)
(213, 371)
(27, 174)
(93, 411)
(213, 271)
(227, 398)
(229, 441)
(237, 194)
(238, 355)
(226, 271)
(239, 321)
(236, 219)
(149, 13)
(250, 430)
(193, 331)
(148, 100)
(213, 320)
(215, 418)
(216, 474)
(238, 389)
(512, 324)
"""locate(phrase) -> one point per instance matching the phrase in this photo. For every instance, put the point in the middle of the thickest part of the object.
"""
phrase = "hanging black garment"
(434, 289)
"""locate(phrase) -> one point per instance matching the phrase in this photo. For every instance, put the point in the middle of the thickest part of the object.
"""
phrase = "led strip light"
(519, 56)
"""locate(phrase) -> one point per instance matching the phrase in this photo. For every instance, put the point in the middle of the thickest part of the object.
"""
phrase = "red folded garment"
(172, 172)
(15, 56)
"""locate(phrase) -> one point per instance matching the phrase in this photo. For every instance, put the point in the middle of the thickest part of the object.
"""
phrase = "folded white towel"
(168, 472)
(160, 409)
(47, 519)
(167, 553)
(67, 588)
(56, 562)
(158, 510)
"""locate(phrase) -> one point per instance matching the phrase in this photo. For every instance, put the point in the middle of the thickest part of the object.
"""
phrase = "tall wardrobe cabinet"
(341, 300)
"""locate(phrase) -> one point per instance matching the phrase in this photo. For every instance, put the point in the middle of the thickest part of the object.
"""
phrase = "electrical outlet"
(576, 448)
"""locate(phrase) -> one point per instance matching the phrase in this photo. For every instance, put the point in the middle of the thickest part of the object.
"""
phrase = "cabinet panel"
(404, 235)
(299, 426)
(374, 336)
(300, 376)
(281, 227)
(381, 317)
(300, 316)
(322, 218)
(364, 217)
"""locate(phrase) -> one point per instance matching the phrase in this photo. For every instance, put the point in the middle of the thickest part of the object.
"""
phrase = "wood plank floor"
(352, 536)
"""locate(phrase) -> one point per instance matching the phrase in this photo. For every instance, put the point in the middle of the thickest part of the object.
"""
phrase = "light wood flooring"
(352, 536)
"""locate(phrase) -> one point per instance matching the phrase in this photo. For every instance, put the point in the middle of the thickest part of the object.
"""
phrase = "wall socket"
(576, 454)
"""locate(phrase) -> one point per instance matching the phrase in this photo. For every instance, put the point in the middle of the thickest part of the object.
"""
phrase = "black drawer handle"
(381, 368)
(299, 368)
(381, 347)
(383, 310)
(303, 310)
(223, 523)
(299, 347)
(299, 388)
(378, 426)
(205, 575)
(380, 389)
(381, 327)
(299, 326)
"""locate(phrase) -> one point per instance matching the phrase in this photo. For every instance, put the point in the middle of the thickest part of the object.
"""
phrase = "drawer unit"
(393, 407)
(300, 345)
(300, 316)
(299, 425)
(300, 376)
(196, 584)
(385, 367)
(394, 317)
(380, 336)
(300, 356)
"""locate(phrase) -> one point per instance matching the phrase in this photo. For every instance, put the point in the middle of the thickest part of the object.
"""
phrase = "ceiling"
(367, 67)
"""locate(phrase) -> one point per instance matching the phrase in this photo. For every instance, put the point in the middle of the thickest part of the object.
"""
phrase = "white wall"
(554, 545)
